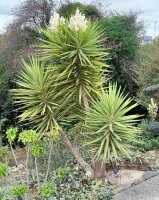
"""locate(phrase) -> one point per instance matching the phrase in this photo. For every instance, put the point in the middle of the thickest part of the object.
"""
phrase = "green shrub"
(4, 152)
(28, 136)
(3, 170)
(11, 134)
(90, 11)
(74, 184)
(123, 42)
(147, 68)
(38, 149)
(19, 190)
(149, 137)
(153, 129)
(48, 190)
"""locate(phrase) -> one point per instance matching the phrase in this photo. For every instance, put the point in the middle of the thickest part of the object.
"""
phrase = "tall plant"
(72, 81)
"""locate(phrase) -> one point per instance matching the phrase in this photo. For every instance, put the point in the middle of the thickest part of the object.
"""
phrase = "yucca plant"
(37, 100)
(77, 55)
(74, 47)
(71, 83)
(76, 60)
(109, 126)
(36, 96)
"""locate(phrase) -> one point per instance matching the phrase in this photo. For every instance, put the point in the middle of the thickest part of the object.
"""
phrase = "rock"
(106, 181)
(13, 167)
(13, 170)
(112, 179)
(124, 179)
(20, 166)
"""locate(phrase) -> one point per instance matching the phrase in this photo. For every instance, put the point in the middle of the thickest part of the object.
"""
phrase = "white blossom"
(62, 20)
(152, 110)
(77, 168)
(78, 21)
(88, 174)
(55, 21)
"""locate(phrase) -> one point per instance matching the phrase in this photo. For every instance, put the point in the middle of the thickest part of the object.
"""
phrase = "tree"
(147, 69)
(69, 8)
(18, 41)
(33, 14)
(2, 121)
(123, 32)
(52, 97)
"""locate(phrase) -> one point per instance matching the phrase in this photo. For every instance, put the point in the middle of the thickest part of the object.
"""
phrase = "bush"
(72, 183)
(19, 190)
(4, 152)
(123, 41)
(149, 138)
(147, 68)
(48, 190)
(90, 11)
(3, 170)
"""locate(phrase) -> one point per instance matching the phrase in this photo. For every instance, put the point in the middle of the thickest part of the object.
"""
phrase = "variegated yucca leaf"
(109, 127)
(36, 97)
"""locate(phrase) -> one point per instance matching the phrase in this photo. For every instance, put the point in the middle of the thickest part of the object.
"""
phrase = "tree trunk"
(0, 140)
(86, 167)
(98, 167)
(85, 101)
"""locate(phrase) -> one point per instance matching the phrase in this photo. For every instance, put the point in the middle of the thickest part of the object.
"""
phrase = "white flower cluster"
(77, 21)
(55, 21)
(88, 174)
(152, 110)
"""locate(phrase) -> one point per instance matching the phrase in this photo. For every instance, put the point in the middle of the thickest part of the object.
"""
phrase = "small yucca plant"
(110, 129)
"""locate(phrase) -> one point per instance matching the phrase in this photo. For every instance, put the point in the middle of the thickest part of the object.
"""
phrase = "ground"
(138, 179)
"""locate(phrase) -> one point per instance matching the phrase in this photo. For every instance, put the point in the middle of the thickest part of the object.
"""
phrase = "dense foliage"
(147, 68)
(63, 95)
(72, 183)
(149, 136)
(69, 8)
(110, 129)
(18, 41)
(123, 33)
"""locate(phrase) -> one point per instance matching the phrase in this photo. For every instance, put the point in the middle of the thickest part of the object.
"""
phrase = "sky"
(149, 10)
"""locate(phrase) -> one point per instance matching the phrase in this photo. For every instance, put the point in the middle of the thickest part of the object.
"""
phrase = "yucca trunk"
(0, 140)
(85, 166)
(98, 167)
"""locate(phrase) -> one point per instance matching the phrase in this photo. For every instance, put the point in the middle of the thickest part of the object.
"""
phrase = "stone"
(20, 166)
(13, 170)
